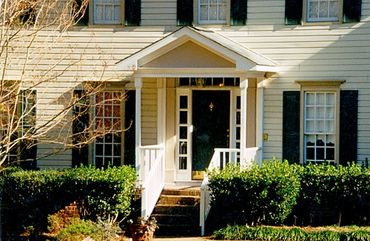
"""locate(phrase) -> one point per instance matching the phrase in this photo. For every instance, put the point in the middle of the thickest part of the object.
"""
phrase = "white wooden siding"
(314, 52)
(149, 112)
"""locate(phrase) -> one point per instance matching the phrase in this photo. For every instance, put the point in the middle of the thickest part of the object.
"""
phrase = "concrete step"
(179, 199)
(166, 219)
(177, 212)
(182, 191)
(175, 209)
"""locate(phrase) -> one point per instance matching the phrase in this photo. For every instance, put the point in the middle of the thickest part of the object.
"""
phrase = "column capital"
(138, 83)
(243, 83)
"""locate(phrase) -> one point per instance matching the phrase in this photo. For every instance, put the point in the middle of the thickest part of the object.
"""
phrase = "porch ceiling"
(189, 50)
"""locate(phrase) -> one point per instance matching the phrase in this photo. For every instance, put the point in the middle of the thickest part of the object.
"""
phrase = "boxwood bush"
(30, 196)
(258, 195)
(335, 195)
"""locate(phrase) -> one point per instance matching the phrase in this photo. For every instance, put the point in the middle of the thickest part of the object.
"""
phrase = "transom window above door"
(209, 82)
(323, 10)
(212, 11)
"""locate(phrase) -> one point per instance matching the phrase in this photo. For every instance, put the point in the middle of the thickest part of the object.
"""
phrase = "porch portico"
(173, 76)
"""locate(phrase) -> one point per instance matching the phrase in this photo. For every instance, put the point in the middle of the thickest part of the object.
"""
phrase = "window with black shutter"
(322, 11)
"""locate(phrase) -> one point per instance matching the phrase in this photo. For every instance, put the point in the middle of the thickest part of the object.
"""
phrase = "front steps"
(177, 212)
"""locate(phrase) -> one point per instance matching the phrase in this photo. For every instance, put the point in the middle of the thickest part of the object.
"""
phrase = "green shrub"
(98, 231)
(268, 233)
(30, 196)
(261, 194)
(342, 192)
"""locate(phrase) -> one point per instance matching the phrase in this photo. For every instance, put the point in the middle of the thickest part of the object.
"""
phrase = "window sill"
(326, 23)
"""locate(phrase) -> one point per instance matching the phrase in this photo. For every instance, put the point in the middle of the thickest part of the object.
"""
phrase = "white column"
(161, 115)
(138, 86)
(161, 122)
(259, 120)
(243, 119)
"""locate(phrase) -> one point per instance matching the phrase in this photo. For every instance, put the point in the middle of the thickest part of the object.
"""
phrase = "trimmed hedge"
(265, 194)
(340, 193)
(268, 233)
(30, 196)
(279, 193)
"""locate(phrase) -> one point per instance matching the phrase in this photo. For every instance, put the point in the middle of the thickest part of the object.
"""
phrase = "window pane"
(108, 150)
(213, 12)
(310, 126)
(330, 154)
(310, 112)
(203, 12)
(310, 154)
(333, 9)
(183, 132)
(323, 9)
(182, 163)
(183, 117)
(313, 9)
(330, 99)
(183, 102)
(310, 99)
(320, 99)
(238, 118)
(320, 154)
(183, 147)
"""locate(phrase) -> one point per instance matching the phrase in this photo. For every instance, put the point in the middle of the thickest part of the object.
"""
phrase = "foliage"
(30, 196)
(343, 192)
(80, 229)
(268, 233)
(258, 195)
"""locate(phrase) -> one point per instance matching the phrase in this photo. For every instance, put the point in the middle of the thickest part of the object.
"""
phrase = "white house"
(255, 79)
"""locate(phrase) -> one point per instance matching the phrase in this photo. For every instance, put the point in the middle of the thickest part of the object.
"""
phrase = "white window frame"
(197, 13)
(111, 3)
(319, 124)
(309, 19)
(112, 132)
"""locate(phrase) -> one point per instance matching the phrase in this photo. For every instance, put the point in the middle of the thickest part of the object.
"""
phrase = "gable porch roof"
(243, 59)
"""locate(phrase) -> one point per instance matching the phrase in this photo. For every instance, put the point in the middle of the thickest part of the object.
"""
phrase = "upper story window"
(107, 11)
(212, 11)
(322, 10)
(233, 12)
(343, 11)
(111, 12)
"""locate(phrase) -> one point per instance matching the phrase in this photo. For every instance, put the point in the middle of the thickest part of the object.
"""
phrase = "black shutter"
(129, 153)
(132, 12)
(238, 12)
(82, 12)
(291, 126)
(293, 12)
(352, 11)
(80, 150)
(185, 12)
(348, 126)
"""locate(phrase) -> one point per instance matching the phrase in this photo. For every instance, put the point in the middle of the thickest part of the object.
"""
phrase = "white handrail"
(220, 158)
(151, 175)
